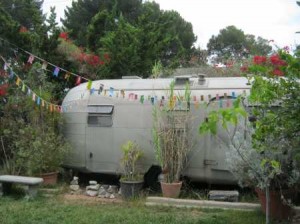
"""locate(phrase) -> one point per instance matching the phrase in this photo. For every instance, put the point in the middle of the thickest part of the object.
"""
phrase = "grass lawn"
(57, 210)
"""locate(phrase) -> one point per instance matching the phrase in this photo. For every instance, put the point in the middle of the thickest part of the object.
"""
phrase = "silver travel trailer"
(98, 121)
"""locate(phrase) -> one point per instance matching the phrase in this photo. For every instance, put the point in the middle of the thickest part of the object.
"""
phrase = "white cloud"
(270, 19)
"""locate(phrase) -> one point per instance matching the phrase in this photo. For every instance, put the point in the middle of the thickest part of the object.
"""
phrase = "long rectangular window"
(100, 115)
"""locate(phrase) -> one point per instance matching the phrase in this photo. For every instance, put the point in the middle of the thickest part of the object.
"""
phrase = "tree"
(79, 18)
(162, 35)
(233, 44)
(101, 23)
(26, 13)
(123, 45)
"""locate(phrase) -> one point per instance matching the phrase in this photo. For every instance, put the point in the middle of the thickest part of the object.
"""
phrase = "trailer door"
(99, 139)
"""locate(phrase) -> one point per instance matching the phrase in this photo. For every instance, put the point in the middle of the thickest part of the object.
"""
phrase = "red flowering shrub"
(277, 61)
(277, 72)
(64, 35)
(259, 60)
(272, 66)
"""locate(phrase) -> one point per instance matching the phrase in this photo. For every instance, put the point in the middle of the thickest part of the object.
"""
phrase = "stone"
(102, 191)
(107, 195)
(92, 193)
(74, 181)
(93, 182)
(105, 186)
(74, 187)
(112, 189)
(231, 196)
(93, 187)
(112, 196)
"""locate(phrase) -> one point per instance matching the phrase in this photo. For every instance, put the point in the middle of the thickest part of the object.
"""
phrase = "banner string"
(45, 63)
(35, 97)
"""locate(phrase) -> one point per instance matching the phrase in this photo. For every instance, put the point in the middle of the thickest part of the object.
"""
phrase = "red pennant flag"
(78, 80)
(30, 59)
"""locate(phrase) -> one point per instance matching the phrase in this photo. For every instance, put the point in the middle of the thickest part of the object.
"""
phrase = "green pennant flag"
(142, 99)
(23, 87)
(89, 85)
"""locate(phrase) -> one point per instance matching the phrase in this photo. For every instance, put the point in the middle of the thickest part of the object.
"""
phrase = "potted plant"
(172, 139)
(131, 181)
(264, 152)
(51, 148)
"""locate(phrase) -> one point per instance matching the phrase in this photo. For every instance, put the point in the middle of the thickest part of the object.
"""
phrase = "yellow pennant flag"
(18, 81)
(67, 76)
(89, 85)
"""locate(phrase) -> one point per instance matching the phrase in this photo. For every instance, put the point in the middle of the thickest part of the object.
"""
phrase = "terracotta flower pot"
(278, 210)
(171, 190)
(49, 178)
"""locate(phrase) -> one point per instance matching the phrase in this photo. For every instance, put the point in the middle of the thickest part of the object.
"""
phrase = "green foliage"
(233, 44)
(131, 155)
(227, 116)
(267, 151)
(123, 45)
(30, 138)
(136, 34)
(172, 136)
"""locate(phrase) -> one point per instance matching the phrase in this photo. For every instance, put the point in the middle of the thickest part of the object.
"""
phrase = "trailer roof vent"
(131, 77)
(201, 79)
(182, 80)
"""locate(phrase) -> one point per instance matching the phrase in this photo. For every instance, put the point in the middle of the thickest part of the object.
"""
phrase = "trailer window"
(100, 116)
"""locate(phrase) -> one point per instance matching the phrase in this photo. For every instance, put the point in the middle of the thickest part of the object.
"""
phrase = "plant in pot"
(29, 133)
(51, 148)
(172, 140)
(265, 151)
(131, 181)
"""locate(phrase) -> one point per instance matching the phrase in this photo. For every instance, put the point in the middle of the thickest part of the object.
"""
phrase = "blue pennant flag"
(56, 71)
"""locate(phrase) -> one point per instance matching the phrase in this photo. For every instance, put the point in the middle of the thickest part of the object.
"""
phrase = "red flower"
(275, 60)
(259, 60)
(277, 72)
(64, 35)
(93, 60)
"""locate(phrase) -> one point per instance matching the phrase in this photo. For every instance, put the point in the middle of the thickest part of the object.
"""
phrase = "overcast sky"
(276, 20)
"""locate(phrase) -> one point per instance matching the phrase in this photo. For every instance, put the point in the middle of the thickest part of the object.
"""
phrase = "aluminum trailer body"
(98, 121)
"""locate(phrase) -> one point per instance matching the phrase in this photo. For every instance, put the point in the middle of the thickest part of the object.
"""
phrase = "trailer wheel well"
(151, 177)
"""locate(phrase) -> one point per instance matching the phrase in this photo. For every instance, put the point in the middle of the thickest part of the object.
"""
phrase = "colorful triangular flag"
(78, 80)
(89, 85)
(44, 65)
(56, 71)
(30, 59)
